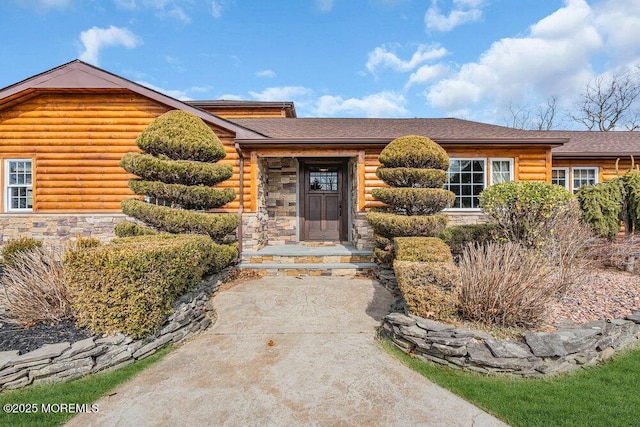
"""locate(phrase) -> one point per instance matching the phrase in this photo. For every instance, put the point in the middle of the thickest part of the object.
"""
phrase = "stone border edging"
(540, 355)
(65, 361)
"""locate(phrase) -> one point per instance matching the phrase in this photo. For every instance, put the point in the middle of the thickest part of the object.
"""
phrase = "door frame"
(343, 184)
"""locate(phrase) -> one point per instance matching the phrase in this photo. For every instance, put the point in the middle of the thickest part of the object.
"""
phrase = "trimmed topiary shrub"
(217, 226)
(522, 209)
(129, 229)
(415, 167)
(412, 177)
(423, 249)
(180, 135)
(413, 151)
(12, 250)
(130, 285)
(178, 170)
(415, 201)
(428, 288)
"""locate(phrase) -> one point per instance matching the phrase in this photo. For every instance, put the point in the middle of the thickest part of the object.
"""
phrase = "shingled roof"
(446, 130)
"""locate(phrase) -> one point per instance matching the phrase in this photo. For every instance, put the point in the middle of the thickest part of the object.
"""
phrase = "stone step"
(351, 258)
(309, 269)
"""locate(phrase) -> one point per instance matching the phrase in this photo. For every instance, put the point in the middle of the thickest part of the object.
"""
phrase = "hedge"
(423, 249)
(428, 288)
(180, 135)
(163, 218)
(457, 237)
(184, 172)
(414, 151)
(186, 196)
(130, 286)
(415, 201)
(392, 225)
(412, 177)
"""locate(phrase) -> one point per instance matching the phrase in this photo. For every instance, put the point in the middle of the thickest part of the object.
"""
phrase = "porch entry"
(323, 199)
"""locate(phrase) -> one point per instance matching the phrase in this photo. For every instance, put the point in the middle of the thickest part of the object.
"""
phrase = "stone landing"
(321, 259)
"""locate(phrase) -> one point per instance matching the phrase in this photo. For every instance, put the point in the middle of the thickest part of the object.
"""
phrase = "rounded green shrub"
(184, 172)
(14, 247)
(522, 208)
(413, 151)
(423, 249)
(392, 225)
(171, 220)
(412, 177)
(180, 135)
(187, 196)
(415, 201)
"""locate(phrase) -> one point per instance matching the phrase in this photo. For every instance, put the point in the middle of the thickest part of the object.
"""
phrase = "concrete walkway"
(287, 352)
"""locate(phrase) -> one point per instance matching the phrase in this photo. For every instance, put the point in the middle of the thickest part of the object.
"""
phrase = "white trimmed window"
(560, 176)
(584, 176)
(501, 170)
(18, 185)
(467, 178)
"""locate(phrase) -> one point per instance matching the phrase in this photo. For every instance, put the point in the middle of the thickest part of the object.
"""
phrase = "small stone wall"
(66, 361)
(466, 217)
(541, 354)
(57, 229)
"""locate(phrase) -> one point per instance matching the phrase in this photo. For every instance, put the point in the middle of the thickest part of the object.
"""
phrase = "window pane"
(466, 179)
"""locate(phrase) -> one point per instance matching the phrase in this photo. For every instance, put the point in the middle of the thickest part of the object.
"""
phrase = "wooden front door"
(324, 206)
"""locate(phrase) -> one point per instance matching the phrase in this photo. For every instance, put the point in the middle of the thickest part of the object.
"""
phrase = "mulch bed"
(26, 339)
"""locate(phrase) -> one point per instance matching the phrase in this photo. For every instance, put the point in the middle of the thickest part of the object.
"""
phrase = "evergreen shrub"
(12, 250)
(415, 201)
(412, 177)
(458, 236)
(413, 151)
(392, 225)
(196, 197)
(129, 228)
(423, 249)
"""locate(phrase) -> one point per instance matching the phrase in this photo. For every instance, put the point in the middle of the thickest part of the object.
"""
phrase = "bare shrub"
(505, 284)
(34, 289)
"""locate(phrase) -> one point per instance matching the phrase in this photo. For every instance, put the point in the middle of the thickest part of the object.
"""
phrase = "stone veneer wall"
(542, 353)
(58, 228)
(281, 200)
(66, 361)
(254, 224)
(468, 217)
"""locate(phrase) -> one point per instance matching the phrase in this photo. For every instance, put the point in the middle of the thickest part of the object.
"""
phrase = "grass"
(85, 390)
(598, 396)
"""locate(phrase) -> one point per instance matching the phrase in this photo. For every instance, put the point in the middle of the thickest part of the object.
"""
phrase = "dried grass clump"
(34, 289)
(505, 285)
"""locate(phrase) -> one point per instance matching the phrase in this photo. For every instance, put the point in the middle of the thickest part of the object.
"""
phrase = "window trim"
(486, 179)
(596, 169)
(568, 177)
(511, 161)
(6, 186)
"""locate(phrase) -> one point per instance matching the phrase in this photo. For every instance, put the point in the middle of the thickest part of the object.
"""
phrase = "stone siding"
(541, 353)
(57, 229)
(281, 200)
(469, 217)
(66, 361)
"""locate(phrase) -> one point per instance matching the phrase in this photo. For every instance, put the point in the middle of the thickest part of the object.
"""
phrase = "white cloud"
(553, 59)
(463, 11)
(381, 57)
(95, 39)
(324, 5)
(619, 23)
(426, 74)
(216, 9)
(284, 93)
(266, 73)
(42, 5)
(174, 93)
(178, 14)
(383, 104)
(232, 97)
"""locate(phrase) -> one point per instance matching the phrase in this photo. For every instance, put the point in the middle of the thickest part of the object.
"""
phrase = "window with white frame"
(501, 170)
(560, 176)
(466, 179)
(19, 185)
(584, 176)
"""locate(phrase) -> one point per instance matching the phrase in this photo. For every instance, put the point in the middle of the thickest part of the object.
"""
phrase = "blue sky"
(472, 59)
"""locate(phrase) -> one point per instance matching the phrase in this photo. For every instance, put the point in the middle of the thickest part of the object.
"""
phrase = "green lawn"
(82, 391)
(605, 395)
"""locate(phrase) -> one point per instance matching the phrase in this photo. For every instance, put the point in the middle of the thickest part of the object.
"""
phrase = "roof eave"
(271, 142)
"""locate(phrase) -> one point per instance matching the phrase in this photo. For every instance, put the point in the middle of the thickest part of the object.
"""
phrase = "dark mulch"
(17, 337)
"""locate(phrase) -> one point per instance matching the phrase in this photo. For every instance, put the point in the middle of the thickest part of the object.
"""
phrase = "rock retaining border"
(542, 354)
(66, 361)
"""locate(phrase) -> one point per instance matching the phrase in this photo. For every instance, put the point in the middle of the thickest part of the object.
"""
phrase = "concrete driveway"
(286, 352)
